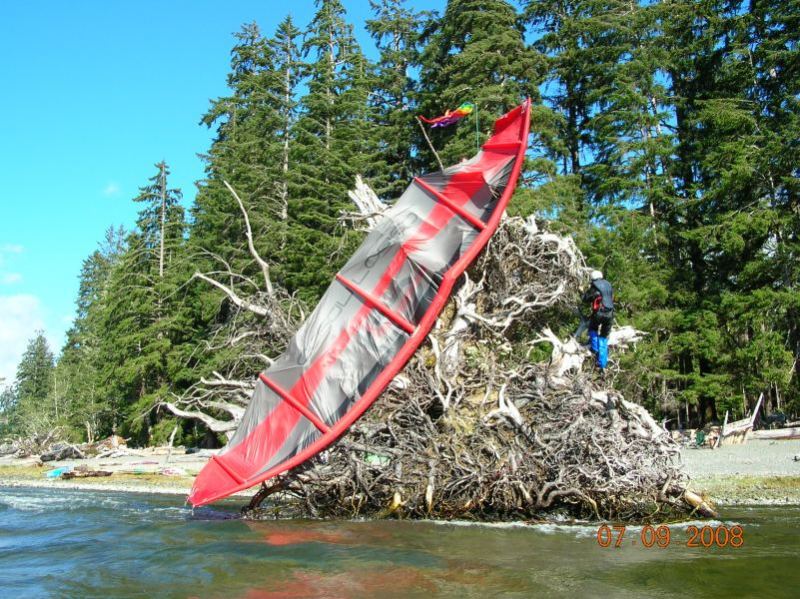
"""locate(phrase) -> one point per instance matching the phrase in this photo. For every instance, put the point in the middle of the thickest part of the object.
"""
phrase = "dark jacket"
(600, 289)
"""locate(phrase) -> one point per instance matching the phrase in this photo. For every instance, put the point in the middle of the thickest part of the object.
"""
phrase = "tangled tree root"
(481, 424)
(473, 429)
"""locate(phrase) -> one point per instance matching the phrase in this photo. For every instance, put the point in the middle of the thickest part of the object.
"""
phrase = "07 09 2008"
(661, 536)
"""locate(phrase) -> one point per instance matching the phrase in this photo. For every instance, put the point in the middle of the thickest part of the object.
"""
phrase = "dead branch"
(369, 207)
(251, 246)
(242, 303)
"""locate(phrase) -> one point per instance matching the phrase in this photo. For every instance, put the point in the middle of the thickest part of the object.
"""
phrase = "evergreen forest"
(665, 138)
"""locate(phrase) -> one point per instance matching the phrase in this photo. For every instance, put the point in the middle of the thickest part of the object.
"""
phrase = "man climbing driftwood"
(600, 299)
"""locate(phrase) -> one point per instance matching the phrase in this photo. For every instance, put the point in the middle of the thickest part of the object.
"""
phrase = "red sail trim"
(211, 488)
(501, 145)
(227, 469)
(455, 208)
(287, 397)
(376, 303)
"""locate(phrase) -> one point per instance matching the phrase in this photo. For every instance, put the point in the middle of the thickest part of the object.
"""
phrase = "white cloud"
(20, 317)
(9, 248)
(9, 278)
(111, 189)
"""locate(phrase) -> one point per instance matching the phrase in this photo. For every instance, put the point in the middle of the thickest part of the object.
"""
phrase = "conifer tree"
(162, 216)
(141, 325)
(81, 360)
(289, 68)
(251, 151)
(334, 141)
(566, 33)
(476, 52)
(32, 412)
(396, 30)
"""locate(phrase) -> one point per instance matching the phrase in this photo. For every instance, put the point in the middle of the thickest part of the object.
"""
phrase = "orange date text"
(662, 537)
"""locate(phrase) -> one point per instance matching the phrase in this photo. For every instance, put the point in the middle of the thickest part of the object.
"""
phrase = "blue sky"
(93, 94)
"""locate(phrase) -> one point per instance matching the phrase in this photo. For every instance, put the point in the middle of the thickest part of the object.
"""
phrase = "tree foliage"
(664, 139)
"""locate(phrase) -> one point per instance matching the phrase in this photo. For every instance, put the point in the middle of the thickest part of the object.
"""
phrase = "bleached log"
(218, 426)
(369, 206)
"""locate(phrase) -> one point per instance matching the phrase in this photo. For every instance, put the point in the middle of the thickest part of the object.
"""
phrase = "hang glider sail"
(373, 316)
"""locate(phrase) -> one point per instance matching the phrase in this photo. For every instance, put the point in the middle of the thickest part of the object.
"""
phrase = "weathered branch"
(251, 246)
(370, 208)
(242, 303)
(214, 424)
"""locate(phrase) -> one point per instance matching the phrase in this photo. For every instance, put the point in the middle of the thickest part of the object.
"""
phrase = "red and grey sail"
(373, 317)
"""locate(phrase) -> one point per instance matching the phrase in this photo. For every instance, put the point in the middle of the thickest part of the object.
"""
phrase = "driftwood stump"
(496, 417)
(473, 428)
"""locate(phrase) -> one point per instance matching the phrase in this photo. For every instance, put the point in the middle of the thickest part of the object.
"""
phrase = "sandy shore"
(759, 472)
(754, 458)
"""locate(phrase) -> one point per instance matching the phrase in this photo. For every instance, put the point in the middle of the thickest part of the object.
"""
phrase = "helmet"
(596, 274)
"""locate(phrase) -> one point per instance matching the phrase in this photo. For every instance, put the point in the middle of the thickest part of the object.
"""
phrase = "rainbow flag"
(451, 116)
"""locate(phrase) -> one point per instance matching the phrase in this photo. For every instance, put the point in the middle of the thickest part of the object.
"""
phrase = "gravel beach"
(754, 458)
(757, 472)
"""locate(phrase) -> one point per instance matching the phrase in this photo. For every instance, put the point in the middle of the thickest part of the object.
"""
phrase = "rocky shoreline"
(756, 473)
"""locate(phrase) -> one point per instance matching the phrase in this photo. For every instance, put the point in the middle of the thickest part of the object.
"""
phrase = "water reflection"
(92, 544)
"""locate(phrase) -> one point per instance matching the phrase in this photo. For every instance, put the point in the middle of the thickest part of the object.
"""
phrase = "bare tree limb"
(242, 303)
(251, 246)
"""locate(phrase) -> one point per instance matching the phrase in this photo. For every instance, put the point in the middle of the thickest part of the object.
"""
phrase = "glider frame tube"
(454, 208)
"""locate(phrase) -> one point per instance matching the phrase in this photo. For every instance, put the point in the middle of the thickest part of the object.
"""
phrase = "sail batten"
(377, 304)
(470, 218)
(287, 397)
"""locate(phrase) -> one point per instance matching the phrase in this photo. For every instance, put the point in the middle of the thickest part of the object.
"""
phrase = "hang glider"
(373, 317)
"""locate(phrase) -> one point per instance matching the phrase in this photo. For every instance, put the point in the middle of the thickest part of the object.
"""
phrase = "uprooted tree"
(495, 417)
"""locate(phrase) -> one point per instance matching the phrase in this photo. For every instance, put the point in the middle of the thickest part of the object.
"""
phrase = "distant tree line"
(665, 139)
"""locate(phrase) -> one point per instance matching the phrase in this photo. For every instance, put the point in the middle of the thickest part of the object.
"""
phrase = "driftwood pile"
(496, 417)
(50, 449)
(474, 429)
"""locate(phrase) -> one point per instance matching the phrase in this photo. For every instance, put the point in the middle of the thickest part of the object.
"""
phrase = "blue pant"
(599, 345)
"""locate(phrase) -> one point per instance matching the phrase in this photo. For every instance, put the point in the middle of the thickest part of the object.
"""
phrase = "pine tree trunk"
(287, 97)
(163, 220)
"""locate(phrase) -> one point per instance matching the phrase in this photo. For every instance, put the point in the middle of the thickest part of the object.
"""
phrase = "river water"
(67, 543)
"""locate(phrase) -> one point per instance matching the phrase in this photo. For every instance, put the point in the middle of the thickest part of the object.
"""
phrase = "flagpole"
(428, 139)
